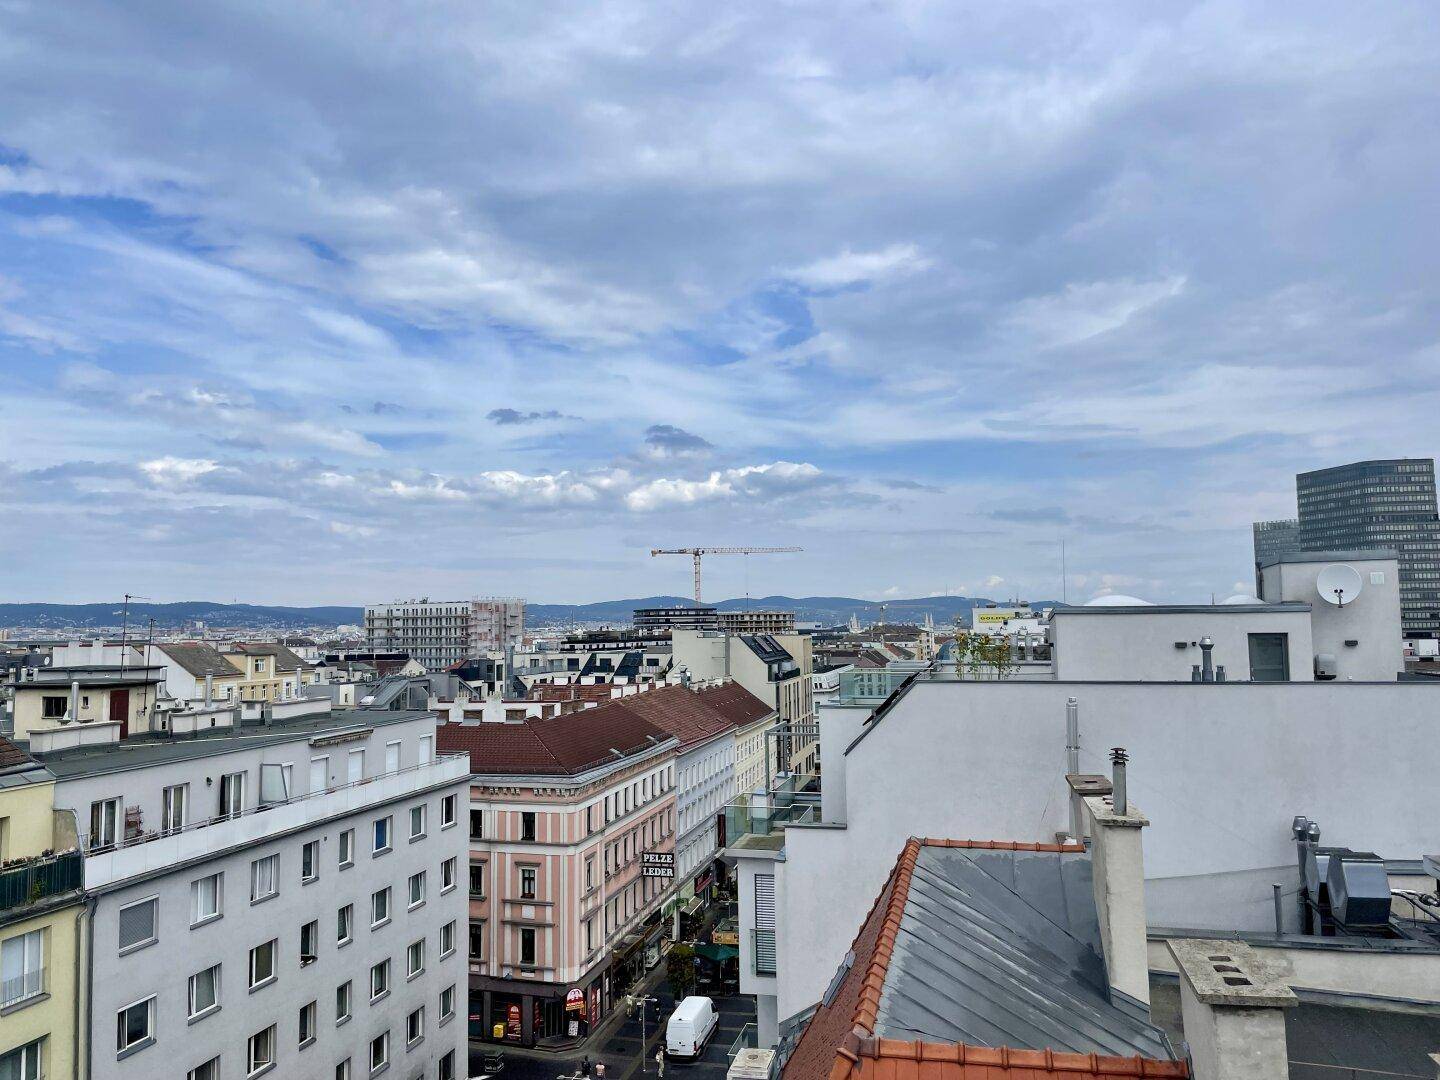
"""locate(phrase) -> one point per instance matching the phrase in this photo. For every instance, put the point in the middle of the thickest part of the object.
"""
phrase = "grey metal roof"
(1002, 948)
(140, 752)
(1361, 555)
(199, 659)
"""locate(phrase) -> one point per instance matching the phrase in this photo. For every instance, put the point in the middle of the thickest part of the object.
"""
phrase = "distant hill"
(173, 616)
(826, 610)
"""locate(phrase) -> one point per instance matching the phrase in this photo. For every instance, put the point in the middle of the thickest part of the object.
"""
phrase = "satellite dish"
(1338, 584)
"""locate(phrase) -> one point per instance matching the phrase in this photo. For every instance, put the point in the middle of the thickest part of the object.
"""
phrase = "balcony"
(28, 985)
(869, 686)
(763, 827)
(156, 851)
(40, 879)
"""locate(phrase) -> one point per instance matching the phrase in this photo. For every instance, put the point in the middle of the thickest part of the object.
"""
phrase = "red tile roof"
(11, 755)
(563, 745)
(839, 1041)
(736, 704)
(682, 712)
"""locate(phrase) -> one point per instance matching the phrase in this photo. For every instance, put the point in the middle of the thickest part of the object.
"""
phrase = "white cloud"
(853, 267)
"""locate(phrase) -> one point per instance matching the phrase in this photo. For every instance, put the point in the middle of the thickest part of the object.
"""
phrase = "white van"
(689, 1029)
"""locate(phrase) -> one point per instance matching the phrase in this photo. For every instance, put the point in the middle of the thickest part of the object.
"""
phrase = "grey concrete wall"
(1371, 620)
(1104, 645)
(1219, 770)
(163, 969)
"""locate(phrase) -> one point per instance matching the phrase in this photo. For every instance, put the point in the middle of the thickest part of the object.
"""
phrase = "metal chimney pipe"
(75, 700)
(209, 688)
(1118, 800)
(1194, 672)
(1072, 760)
(1207, 660)
(1279, 915)
(1219, 672)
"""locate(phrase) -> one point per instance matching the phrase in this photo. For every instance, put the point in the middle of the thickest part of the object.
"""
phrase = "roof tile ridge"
(1001, 845)
(861, 1044)
(868, 1007)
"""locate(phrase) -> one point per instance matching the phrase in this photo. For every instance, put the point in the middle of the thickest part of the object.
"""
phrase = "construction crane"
(696, 552)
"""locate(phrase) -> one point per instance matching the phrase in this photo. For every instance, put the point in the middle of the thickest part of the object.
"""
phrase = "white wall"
(1371, 620)
(1106, 644)
(1219, 770)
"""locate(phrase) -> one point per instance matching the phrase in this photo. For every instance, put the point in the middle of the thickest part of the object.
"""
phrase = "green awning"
(716, 954)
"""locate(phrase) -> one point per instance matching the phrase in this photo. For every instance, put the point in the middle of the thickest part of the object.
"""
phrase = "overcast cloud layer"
(337, 302)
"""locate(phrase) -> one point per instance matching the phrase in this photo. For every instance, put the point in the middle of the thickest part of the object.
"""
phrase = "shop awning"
(717, 954)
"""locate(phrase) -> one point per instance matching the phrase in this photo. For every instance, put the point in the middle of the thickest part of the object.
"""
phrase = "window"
(527, 825)
(347, 848)
(307, 1025)
(264, 878)
(204, 991)
(477, 824)
(448, 811)
(260, 1053)
(345, 924)
(447, 939)
(380, 979)
(137, 924)
(1269, 659)
(415, 958)
(527, 883)
(205, 899)
(22, 1063)
(22, 967)
(392, 757)
(135, 1026)
(262, 963)
(589, 873)
(447, 874)
(415, 1026)
(310, 861)
(477, 941)
(477, 880)
(342, 1071)
(355, 766)
(447, 1002)
(209, 1071)
(319, 774)
(309, 943)
(342, 1002)
(379, 1051)
(416, 889)
(232, 794)
(52, 707)
(427, 749)
(104, 823)
(379, 907)
(527, 946)
(381, 838)
(447, 1066)
(172, 813)
(417, 821)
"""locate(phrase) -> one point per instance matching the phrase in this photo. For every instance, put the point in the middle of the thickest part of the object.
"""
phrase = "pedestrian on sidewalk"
(660, 1064)
(599, 1070)
(585, 1067)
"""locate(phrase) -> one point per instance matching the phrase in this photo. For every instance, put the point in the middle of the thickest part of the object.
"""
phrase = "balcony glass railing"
(742, 821)
(38, 879)
(748, 1039)
(869, 685)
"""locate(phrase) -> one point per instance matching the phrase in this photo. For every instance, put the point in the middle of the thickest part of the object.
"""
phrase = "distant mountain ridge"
(827, 610)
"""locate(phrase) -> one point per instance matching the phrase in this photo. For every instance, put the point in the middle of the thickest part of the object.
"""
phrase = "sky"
(345, 302)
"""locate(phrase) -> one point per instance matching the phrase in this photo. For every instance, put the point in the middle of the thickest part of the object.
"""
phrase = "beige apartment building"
(572, 831)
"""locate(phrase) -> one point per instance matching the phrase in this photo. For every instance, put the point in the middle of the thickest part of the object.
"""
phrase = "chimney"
(1118, 870)
(1207, 659)
(1230, 1007)
(72, 712)
(209, 688)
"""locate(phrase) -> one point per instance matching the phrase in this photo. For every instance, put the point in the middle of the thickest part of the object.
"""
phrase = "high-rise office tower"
(1276, 537)
(1380, 504)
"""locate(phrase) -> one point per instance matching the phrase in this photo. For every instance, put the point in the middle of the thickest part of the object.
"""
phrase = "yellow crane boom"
(696, 552)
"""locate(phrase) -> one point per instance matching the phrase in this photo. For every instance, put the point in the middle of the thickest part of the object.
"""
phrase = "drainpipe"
(89, 986)
(1072, 761)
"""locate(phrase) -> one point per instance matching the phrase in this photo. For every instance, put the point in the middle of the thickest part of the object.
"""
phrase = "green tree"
(680, 970)
(980, 656)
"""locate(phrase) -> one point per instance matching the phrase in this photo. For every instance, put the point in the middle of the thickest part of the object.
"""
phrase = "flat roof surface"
(143, 750)
(1293, 607)
(1361, 555)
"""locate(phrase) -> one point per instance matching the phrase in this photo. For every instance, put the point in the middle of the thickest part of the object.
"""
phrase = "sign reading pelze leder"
(658, 864)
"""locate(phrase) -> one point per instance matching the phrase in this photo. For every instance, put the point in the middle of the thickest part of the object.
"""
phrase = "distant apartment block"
(440, 633)
(1279, 537)
(757, 622)
(680, 617)
(1380, 504)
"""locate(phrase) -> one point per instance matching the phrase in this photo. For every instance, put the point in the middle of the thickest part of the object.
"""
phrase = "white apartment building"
(440, 633)
(275, 897)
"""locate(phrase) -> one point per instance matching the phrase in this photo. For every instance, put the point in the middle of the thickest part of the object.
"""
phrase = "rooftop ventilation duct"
(1359, 889)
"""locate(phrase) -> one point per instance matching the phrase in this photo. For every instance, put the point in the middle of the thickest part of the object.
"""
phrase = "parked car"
(690, 1028)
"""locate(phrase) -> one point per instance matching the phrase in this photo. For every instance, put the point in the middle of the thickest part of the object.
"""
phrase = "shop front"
(533, 1014)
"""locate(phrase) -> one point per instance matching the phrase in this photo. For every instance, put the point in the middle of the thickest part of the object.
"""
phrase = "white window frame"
(154, 903)
(305, 850)
(174, 812)
(345, 849)
(424, 810)
(105, 818)
(411, 971)
(232, 794)
(449, 874)
(377, 920)
(313, 1010)
(392, 756)
(447, 1012)
(252, 1067)
(376, 848)
(147, 1039)
(192, 1012)
(273, 861)
(314, 927)
(414, 896)
(384, 1040)
(274, 946)
(383, 968)
(31, 947)
(197, 917)
(347, 991)
(419, 1036)
(447, 939)
(450, 803)
(345, 913)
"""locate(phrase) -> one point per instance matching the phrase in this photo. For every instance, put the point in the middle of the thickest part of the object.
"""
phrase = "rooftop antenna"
(1064, 577)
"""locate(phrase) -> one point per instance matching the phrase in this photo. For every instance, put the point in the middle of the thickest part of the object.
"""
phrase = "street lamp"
(631, 1001)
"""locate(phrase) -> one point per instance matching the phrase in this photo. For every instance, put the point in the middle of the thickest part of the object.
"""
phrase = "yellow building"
(271, 672)
(42, 876)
